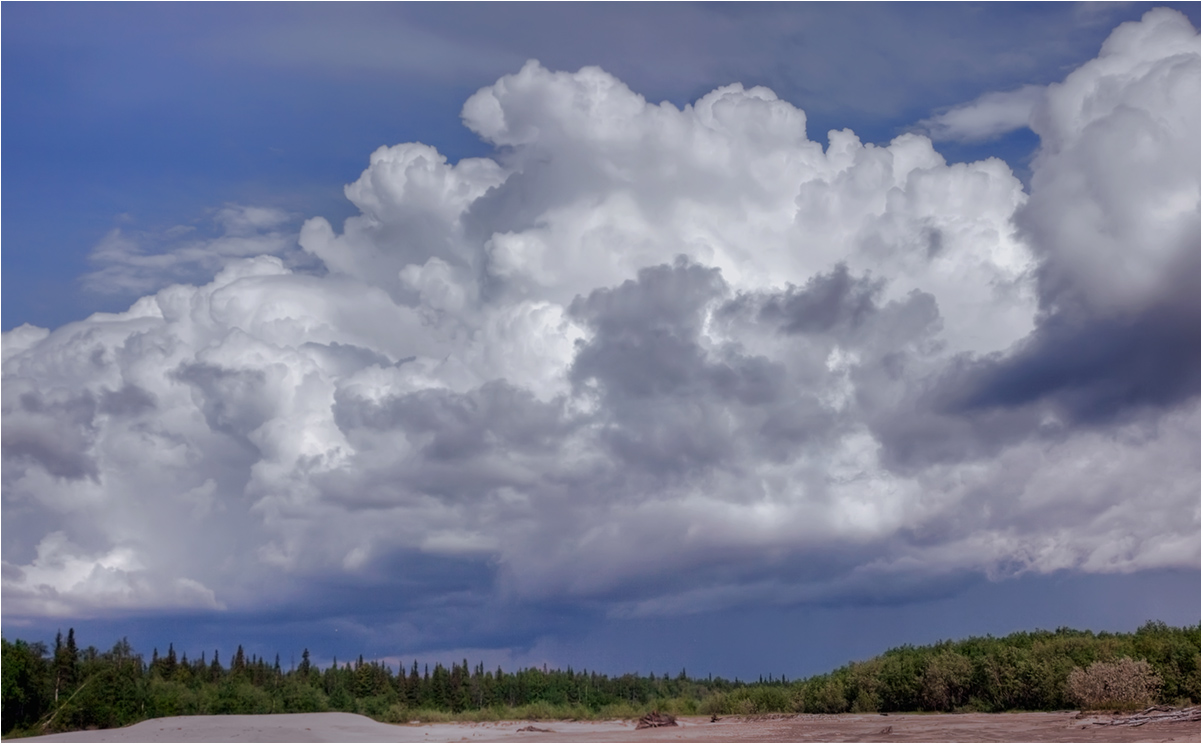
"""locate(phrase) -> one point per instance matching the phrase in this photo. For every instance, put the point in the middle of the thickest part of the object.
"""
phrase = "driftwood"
(1154, 714)
(656, 719)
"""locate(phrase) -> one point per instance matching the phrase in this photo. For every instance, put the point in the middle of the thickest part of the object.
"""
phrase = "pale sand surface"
(336, 727)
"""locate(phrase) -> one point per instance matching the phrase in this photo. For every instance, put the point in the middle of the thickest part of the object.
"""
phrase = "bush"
(300, 697)
(240, 697)
(822, 694)
(535, 711)
(430, 716)
(621, 710)
(1121, 684)
(743, 701)
(680, 706)
(167, 698)
(946, 681)
(376, 707)
(770, 699)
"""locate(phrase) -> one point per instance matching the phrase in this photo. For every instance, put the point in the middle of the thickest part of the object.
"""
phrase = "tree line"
(65, 688)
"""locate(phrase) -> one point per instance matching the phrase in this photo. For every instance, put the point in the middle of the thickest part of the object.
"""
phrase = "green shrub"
(168, 698)
(822, 695)
(620, 710)
(946, 681)
(302, 698)
(374, 706)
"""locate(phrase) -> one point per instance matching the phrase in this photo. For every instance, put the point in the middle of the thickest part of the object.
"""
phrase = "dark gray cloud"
(645, 341)
(1093, 372)
(827, 301)
(454, 425)
(55, 431)
(129, 400)
(233, 401)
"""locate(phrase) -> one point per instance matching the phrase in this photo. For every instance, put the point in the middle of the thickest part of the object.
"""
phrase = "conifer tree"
(238, 664)
(58, 656)
(215, 669)
(72, 662)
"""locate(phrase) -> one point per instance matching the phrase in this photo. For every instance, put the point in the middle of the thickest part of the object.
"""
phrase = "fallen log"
(656, 719)
(1154, 715)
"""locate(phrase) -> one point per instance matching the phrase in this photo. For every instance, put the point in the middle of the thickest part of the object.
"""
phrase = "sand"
(335, 727)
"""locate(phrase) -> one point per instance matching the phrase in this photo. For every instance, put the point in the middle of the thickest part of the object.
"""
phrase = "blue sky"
(865, 383)
(155, 116)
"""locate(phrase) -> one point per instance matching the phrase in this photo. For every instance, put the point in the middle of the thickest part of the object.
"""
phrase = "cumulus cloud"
(988, 116)
(60, 577)
(1115, 183)
(651, 358)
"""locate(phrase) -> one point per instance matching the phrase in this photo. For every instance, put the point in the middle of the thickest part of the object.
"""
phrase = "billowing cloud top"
(660, 359)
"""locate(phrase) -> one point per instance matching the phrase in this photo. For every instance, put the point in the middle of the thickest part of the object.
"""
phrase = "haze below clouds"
(645, 363)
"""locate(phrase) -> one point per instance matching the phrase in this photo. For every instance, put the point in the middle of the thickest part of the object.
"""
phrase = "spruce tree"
(72, 658)
(215, 669)
(58, 660)
(238, 664)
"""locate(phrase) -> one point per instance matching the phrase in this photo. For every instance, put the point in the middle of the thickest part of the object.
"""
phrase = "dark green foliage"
(26, 683)
(112, 692)
(299, 694)
(1027, 670)
(1024, 671)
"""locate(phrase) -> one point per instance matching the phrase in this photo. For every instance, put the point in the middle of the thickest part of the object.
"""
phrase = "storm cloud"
(644, 359)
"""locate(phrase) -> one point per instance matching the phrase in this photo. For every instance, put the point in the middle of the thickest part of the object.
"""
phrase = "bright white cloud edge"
(430, 392)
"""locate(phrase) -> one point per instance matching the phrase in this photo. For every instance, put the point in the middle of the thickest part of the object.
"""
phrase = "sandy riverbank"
(338, 727)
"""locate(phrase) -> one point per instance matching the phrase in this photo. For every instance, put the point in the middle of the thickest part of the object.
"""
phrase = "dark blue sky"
(632, 387)
(744, 643)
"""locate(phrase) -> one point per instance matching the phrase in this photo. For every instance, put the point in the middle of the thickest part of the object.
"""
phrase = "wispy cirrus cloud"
(135, 262)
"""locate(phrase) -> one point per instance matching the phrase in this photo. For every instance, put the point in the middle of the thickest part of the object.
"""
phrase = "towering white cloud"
(665, 359)
(1117, 177)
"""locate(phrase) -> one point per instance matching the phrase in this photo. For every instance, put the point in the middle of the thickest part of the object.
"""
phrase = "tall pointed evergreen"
(215, 669)
(58, 657)
(238, 664)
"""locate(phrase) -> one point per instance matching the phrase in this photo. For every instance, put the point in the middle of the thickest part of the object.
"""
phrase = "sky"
(744, 339)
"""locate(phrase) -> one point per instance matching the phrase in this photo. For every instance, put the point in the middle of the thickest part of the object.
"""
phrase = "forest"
(62, 687)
